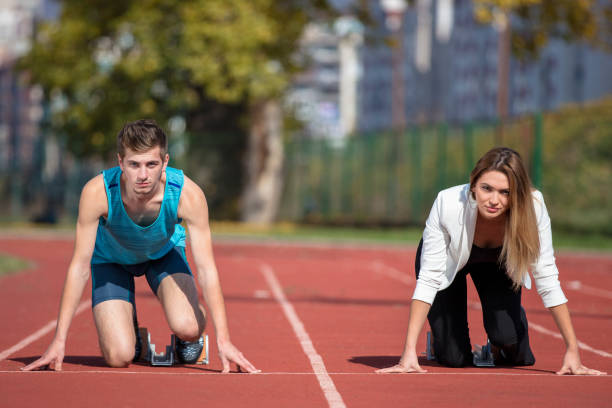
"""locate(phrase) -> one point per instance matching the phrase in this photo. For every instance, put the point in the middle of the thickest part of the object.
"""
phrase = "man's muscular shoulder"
(192, 200)
(93, 198)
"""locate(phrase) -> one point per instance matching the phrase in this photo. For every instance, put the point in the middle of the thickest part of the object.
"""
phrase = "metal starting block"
(484, 357)
(164, 358)
(167, 357)
(203, 359)
(430, 354)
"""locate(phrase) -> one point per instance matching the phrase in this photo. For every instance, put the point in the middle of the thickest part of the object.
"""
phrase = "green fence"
(390, 178)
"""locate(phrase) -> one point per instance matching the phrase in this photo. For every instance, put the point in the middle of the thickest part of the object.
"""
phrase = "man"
(129, 225)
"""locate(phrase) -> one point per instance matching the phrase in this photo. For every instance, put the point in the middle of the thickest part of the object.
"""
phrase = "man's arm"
(194, 210)
(93, 204)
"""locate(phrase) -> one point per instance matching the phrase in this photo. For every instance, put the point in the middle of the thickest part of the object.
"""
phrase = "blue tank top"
(120, 240)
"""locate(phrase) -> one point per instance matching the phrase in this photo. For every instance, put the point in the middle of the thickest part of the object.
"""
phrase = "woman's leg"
(504, 318)
(448, 321)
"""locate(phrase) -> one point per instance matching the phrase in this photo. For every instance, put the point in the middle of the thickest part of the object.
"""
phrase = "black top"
(484, 255)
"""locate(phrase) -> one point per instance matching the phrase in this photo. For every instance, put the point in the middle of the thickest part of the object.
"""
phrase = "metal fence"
(391, 178)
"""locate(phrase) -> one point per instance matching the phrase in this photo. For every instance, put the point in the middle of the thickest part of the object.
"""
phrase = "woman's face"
(492, 192)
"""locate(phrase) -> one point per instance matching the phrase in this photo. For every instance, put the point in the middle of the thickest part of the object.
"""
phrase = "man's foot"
(188, 351)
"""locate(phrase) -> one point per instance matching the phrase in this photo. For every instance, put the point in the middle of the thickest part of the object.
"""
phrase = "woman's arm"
(571, 360)
(549, 288)
(433, 264)
(409, 363)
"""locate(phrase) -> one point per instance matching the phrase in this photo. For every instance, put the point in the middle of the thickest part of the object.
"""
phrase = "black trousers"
(504, 318)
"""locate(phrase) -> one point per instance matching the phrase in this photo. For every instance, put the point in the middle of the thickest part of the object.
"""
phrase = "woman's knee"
(503, 329)
(454, 360)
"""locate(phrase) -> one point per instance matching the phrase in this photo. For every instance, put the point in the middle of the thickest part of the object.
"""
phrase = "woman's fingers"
(401, 369)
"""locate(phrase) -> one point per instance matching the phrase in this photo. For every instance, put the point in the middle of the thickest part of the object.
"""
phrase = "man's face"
(143, 170)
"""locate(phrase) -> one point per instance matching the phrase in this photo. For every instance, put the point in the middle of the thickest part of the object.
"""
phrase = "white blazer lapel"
(468, 227)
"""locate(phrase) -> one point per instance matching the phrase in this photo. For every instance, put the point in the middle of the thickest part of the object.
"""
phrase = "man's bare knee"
(187, 329)
(119, 357)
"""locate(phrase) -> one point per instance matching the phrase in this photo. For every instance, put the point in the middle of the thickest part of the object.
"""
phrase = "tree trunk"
(264, 164)
(503, 74)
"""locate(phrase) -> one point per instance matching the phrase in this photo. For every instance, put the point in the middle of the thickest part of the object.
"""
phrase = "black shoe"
(187, 352)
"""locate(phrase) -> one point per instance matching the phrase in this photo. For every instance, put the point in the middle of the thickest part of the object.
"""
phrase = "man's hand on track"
(52, 359)
(229, 353)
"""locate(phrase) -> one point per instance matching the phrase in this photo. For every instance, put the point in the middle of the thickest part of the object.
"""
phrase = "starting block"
(167, 357)
(481, 358)
(484, 357)
(203, 358)
(429, 351)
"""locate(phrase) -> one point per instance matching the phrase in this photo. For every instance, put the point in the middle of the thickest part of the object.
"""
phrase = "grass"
(9, 264)
(408, 236)
(327, 234)
(295, 232)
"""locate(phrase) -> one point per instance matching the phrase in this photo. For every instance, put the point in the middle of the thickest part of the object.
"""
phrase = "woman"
(495, 229)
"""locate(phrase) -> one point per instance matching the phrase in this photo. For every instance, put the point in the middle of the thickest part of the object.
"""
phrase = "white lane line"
(41, 332)
(536, 327)
(486, 372)
(380, 268)
(586, 289)
(334, 399)
(581, 345)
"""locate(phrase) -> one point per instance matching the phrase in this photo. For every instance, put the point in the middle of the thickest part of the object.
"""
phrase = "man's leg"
(113, 310)
(171, 279)
(503, 316)
(115, 325)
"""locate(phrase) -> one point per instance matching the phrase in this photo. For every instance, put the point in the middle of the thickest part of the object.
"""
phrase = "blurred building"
(20, 105)
(449, 73)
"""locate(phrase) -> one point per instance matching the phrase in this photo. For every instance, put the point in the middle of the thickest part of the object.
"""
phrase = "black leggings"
(503, 316)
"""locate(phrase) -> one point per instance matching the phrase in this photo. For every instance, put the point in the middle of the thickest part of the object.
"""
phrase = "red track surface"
(353, 303)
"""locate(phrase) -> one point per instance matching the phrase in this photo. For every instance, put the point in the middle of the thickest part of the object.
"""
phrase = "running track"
(318, 320)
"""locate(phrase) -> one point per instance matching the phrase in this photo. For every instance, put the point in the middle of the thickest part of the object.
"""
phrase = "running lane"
(354, 304)
(29, 301)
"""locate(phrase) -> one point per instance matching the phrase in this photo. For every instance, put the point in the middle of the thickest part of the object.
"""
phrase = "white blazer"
(448, 238)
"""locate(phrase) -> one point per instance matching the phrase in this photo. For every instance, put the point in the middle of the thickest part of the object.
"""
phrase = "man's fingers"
(248, 366)
(242, 362)
(36, 364)
(226, 364)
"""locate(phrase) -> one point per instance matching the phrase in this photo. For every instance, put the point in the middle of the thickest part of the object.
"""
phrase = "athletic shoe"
(188, 351)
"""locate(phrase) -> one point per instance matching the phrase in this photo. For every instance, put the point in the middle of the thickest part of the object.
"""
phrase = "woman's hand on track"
(52, 359)
(228, 352)
(572, 365)
(407, 364)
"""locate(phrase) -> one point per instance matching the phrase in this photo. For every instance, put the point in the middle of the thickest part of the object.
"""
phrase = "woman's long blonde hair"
(521, 241)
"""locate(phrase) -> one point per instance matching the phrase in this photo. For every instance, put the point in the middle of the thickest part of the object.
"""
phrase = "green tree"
(536, 22)
(219, 66)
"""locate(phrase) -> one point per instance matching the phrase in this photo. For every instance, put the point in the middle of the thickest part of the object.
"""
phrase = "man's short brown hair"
(140, 136)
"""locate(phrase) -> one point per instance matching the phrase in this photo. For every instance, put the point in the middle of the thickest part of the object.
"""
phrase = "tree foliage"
(578, 166)
(105, 63)
(535, 22)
